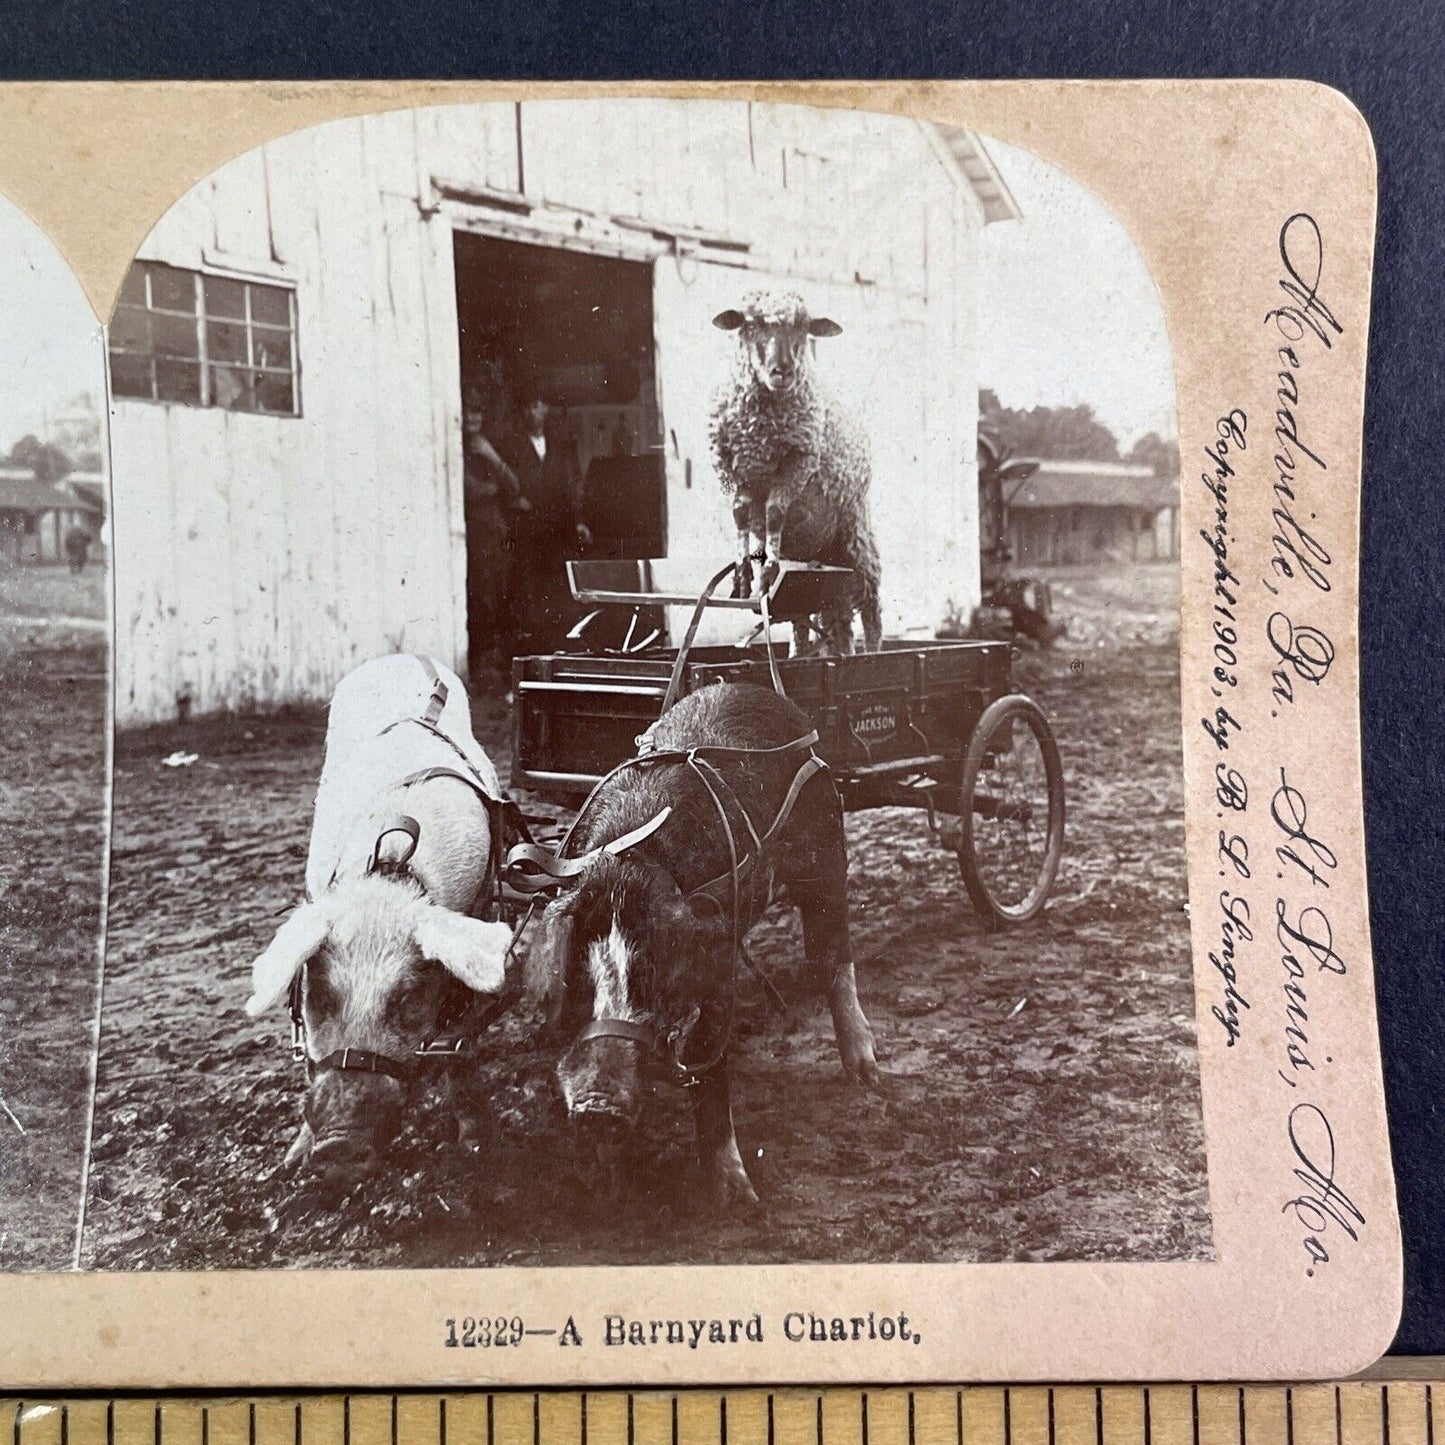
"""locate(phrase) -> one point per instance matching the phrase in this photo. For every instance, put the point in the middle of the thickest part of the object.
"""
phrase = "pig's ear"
(468, 948)
(296, 941)
(545, 976)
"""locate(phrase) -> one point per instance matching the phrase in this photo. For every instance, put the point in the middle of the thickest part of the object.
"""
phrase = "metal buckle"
(298, 1041)
(440, 1049)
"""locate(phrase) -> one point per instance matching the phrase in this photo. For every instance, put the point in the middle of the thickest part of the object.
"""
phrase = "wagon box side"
(579, 715)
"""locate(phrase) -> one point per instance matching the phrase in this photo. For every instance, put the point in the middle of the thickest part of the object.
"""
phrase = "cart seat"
(801, 591)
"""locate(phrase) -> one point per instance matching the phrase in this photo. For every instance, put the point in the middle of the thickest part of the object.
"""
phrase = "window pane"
(173, 290)
(130, 330)
(273, 393)
(178, 381)
(272, 348)
(231, 388)
(226, 340)
(130, 375)
(271, 303)
(225, 297)
(174, 335)
(133, 288)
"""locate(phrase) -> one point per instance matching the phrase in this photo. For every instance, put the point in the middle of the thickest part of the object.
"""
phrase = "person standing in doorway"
(546, 529)
(491, 495)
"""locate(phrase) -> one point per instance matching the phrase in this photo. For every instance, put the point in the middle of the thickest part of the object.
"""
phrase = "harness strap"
(358, 1061)
(674, 683)
(610, 1028)
(551, 868)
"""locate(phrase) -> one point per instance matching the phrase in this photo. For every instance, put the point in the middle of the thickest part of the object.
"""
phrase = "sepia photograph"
(647, 706)
(54, 661)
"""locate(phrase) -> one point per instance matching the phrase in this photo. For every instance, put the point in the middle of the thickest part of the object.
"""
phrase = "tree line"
(1069, 433)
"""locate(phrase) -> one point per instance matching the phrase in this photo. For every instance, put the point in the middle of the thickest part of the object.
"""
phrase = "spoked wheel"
(1011, 813)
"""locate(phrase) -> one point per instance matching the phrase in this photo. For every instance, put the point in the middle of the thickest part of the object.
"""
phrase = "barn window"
(205, 340)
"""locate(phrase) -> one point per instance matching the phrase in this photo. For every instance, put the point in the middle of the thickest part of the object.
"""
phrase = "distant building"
(1082, 511)
(36, 516)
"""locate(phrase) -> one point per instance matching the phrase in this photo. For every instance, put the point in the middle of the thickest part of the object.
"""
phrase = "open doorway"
(575, 331)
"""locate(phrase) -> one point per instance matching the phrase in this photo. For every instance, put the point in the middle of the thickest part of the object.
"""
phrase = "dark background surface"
(1389, 58)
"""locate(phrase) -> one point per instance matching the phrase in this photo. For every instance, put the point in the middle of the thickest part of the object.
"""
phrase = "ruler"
(1354, 1413)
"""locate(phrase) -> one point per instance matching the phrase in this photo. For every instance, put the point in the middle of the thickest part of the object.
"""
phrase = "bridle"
(448, 1043)
(530, 869)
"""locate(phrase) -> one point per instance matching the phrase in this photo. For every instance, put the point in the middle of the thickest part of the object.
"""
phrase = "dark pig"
(634, 943)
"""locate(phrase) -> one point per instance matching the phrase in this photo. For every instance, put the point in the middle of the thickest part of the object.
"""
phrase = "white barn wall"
(258, 558)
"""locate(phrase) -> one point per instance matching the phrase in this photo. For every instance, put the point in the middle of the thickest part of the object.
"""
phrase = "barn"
(1094, 512)
(36, 516)
(288, 355)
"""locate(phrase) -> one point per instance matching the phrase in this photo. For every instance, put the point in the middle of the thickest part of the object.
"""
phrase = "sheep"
(794, 461)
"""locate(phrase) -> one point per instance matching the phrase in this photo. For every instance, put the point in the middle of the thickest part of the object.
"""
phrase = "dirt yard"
(1042, 1093)
(52, 811)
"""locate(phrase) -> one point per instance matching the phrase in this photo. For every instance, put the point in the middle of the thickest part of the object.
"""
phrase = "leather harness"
(447, 1044)
(530, 869)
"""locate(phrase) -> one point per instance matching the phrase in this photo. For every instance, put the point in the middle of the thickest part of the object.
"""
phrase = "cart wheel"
(1011, 812)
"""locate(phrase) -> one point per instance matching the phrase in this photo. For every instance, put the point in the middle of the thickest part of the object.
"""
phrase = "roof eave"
(964, 154)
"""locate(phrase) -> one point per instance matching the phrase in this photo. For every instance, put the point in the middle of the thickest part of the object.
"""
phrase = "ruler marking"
(584, 1419)
(674, 1421)
(345, 1422)
(958, 1401)
(205, 1424)
(865, 1420)
(251, 1423)
(1385, 1413)
(299, 1425)
(1051, 1415)
(64, 1422)
(722, 1421)
(912, 1438)
(1243, 1429)
(770, 1418)
(1194, 1407)
(20, 1410)
(1148, 1421)
(1098, 1416)
(1339, 1422)
(631, 1439)
(442, 1421)
(491, 1426)
(818, 1418)
(537, 1421)
(1429, 1416)
(1008, 1428)
(156, 1424)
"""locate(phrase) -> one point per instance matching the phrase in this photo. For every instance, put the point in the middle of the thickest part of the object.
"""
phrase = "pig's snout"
(352, 1121)
(344, 1159)
(600, 1082)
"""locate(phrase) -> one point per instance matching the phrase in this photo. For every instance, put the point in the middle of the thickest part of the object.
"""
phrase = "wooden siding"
(259, 558)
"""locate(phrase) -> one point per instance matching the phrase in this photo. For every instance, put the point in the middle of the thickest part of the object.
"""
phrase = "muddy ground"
(53, 659)
(1042, 1092)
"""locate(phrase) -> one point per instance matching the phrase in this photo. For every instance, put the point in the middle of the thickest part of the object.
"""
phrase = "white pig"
(389, 945)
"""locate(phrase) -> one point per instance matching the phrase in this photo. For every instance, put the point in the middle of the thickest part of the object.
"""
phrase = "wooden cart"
(930, 725)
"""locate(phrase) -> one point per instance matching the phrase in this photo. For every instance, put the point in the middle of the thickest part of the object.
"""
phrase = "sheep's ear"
(296, 941)
(468, 948)
(729, 320)
(822, 326)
